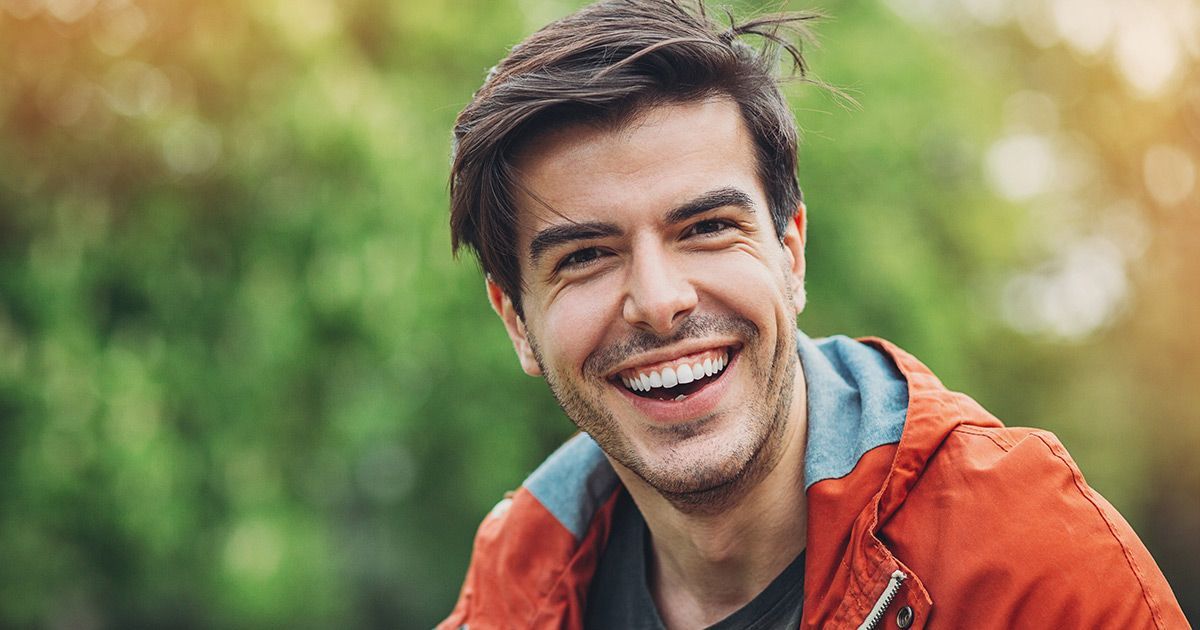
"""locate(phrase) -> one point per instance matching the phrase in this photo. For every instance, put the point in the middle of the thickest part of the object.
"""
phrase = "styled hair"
(605, 64)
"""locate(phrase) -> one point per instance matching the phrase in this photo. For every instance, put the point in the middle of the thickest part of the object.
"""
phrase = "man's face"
(659, 303)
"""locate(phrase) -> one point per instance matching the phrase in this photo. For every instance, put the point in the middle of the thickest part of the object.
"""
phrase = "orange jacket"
(961, 523)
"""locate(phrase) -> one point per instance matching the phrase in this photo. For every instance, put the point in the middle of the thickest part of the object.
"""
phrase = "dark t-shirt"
(620, 594)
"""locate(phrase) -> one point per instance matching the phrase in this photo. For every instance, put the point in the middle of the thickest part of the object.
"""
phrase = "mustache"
(605, 358)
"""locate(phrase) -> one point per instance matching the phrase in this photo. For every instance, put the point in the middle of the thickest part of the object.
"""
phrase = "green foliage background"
(243, 383)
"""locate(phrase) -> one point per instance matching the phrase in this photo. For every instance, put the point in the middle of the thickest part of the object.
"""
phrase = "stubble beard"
(711, 482)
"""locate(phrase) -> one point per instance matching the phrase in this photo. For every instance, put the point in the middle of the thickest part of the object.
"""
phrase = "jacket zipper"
(885, 600)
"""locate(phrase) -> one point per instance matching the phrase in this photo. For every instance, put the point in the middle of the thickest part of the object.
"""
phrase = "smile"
(676, 378)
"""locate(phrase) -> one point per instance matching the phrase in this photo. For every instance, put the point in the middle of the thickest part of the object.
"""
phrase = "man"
(627, 178)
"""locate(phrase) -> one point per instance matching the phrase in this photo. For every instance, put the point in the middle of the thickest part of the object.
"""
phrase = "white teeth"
(684, 373)
(669, 379)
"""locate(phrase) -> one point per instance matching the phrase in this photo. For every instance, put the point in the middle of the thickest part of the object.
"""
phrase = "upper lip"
(666, 354)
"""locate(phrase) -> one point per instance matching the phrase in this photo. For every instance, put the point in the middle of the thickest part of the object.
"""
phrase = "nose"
(659, 294)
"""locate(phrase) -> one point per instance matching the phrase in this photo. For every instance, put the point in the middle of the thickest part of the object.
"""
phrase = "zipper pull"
(885, 600)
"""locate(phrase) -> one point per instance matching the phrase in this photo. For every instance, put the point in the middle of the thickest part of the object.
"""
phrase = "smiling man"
(627, 178)
(660, 304)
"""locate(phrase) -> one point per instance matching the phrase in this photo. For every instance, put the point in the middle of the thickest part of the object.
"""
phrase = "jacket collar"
(857, 401)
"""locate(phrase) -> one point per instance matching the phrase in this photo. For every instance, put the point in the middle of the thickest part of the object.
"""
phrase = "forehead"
(658, 159)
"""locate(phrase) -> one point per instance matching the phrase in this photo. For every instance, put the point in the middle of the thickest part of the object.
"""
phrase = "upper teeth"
(669, 377)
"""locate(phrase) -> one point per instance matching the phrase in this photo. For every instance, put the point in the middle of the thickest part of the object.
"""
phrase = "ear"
(793, 244)
(515, 326)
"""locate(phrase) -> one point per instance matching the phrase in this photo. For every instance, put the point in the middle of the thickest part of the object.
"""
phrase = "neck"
(706, 565)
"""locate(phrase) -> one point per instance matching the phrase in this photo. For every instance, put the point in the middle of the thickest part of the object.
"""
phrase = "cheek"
(578, 320)
(748, 285)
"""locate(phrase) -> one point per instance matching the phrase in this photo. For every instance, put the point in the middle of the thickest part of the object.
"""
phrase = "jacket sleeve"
(1007, 534)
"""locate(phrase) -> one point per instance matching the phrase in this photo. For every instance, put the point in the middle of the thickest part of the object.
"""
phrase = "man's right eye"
(580, 258)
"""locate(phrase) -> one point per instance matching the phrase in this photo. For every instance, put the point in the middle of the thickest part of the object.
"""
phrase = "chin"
(701, 468)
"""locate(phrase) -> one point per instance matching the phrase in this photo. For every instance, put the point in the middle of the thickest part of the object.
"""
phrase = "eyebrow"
(557, 235)
(719, 198)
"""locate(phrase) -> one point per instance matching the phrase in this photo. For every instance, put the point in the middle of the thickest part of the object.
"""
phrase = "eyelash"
(567, 261)
(721, 224)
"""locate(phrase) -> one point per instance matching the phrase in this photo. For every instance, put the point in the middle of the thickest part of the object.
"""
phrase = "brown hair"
(605, 63)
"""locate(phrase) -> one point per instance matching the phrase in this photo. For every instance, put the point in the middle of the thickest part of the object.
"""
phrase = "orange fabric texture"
(993, 527)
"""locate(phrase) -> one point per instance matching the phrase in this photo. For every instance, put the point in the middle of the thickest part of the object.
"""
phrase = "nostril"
(656, 301)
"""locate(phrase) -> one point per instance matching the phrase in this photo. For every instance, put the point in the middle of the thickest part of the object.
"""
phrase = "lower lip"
(696, 405)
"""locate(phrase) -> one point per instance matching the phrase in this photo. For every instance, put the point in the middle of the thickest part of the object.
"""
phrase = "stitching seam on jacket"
(1004, 444)
(1083, 490)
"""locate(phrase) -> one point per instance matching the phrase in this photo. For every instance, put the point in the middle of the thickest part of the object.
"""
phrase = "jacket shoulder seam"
(1086, 492)
(1005, 444)
(996, 437)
